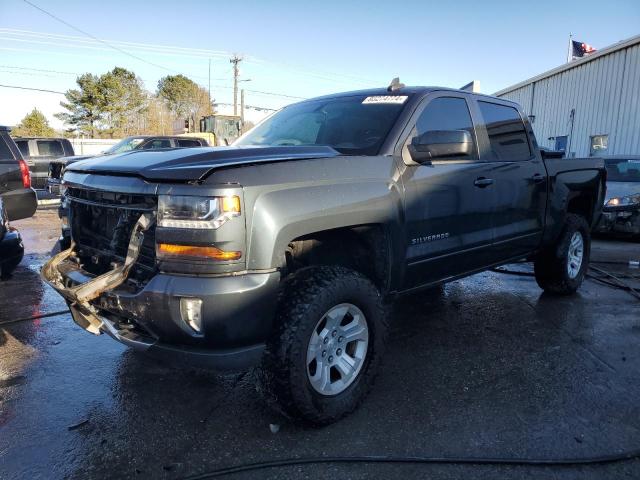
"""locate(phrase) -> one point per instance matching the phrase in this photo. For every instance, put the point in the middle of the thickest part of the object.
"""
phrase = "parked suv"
(38, 153)
(17, 201)
(282, 248)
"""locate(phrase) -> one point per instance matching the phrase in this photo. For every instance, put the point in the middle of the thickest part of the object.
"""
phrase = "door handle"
(538, 178)
(483, 182)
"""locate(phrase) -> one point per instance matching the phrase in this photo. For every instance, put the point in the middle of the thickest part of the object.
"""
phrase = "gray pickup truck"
(283, 248)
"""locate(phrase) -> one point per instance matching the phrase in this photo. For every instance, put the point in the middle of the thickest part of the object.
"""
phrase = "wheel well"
(581, 205)
(364, 248)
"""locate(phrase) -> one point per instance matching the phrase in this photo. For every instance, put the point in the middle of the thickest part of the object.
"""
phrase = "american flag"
(580, 49)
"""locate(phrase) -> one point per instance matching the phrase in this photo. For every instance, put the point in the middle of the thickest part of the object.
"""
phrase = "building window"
(561, 144)
(599, 145)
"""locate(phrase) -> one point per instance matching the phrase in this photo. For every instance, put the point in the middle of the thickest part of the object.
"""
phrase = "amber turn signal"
(195, 251)
(231, 204)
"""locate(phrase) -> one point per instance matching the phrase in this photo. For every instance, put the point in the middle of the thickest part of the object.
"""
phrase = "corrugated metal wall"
(605, 94)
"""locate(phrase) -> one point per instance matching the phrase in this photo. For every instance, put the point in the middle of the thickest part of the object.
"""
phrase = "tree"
(109, 104)
(83, 105)
(184, 97)
(123, 99)
(34, 124)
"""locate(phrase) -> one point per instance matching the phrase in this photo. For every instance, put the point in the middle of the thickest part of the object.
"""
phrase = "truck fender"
(283, 215)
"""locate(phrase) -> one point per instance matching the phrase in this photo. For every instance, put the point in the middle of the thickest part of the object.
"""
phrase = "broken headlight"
(196, 212)
(629, 200)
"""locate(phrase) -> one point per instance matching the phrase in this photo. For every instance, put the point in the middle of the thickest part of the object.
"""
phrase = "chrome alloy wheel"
(576, 254)
(337, 349)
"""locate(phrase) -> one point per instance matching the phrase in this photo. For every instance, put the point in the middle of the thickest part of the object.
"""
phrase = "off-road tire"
(550, 266)
(305, 298)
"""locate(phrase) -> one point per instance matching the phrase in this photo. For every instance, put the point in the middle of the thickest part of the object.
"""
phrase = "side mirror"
(440, 144)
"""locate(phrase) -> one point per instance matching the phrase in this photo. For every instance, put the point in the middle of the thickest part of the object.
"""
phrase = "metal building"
(590, 106)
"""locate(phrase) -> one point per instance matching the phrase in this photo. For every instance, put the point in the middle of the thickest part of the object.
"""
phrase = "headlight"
(624, 201)
(196, 212)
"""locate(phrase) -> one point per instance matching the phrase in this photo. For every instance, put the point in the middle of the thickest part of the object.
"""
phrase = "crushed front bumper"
(79, 297)
(620, 220)
(237, 309)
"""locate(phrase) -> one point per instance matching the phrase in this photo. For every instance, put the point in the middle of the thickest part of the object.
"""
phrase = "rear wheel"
(561, 268)
(329, 339)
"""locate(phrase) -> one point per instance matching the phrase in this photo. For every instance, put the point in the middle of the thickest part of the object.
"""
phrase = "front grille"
(101, 226)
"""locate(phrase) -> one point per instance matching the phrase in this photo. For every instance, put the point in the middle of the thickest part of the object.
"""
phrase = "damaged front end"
(624, 220)
(59, 273)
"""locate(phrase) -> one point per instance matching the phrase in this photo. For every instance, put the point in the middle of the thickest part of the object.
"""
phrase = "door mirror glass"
(440, 144)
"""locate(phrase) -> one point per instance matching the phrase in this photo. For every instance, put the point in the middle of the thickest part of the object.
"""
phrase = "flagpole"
(569, 49)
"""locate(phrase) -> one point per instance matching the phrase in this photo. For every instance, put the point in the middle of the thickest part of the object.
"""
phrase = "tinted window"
(23, 146)
(507, 136)
(623, 170)
(445, 113)
(158, 143)
(188, 143)
(50, 148)
(356, 125)
(5, 152)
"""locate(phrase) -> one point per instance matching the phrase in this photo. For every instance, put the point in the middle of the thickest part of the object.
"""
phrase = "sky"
(292, 49)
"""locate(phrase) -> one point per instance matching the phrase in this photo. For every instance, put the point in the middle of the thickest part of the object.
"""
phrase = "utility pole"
(242, 107)
(209, 90)
(236, 73)
(570, 49)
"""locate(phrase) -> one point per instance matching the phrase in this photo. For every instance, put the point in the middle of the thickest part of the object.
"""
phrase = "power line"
(276, 94)
(29, 88)
(38, 70)
(95, 38)
(62, 93)
(325, 75)
(151, 46)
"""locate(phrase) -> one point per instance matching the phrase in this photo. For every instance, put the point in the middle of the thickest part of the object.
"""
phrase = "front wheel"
(329, 339)
(561, 268)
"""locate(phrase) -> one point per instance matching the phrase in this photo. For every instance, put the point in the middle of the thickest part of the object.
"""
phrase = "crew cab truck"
(283, 248)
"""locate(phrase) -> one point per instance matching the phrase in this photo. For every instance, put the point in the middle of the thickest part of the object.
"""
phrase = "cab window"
(157, 143)
(187, 143)
(507, 137)
(50, 148)
(446, 113)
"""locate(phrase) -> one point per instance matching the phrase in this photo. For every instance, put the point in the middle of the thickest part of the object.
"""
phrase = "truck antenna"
(395, 85)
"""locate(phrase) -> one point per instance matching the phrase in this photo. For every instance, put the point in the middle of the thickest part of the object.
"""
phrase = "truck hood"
(73, 158)
(621, 189)
(191, 164)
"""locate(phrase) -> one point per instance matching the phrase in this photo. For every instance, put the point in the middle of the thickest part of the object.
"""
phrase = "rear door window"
(507, 136)
(188, 143)
(23, 146)
(50, 148)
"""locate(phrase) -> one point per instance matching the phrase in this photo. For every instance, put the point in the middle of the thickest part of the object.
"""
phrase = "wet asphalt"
(485, 367)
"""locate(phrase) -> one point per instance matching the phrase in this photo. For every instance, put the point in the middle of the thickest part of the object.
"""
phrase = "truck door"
(519, 175)
(448, 201)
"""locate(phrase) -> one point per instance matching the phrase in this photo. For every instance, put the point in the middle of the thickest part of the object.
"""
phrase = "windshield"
(356, 125)
(125, 145)
(623, 170)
